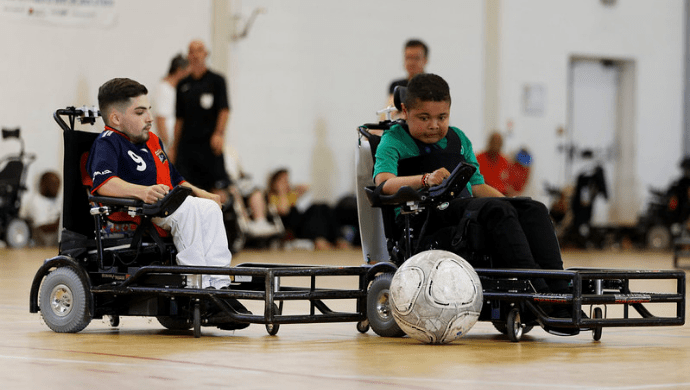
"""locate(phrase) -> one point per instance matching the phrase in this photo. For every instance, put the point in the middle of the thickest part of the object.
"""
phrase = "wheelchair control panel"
(162, 208)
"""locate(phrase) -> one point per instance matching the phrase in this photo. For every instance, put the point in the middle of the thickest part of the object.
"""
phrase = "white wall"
(46, 66)
(539, 37)
(310, 71)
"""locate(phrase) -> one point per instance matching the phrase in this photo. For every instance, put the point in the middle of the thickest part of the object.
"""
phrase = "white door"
(593, 119)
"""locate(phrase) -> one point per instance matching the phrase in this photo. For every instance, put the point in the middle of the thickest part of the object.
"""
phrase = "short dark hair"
(426, 87)
(418, 43)
(273, 178)
(116, 92)
(178, 62)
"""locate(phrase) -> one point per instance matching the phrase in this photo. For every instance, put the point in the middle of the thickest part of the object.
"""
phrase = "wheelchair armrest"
(114, 201)
(403, 195)
(162, 208)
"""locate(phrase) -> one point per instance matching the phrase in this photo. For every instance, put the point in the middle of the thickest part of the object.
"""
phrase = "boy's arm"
(485, 191)
(393, 183)
(118, 188)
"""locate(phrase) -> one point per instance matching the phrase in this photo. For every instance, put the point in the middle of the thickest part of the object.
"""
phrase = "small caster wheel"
(363, 326)
(273, 328)
(596, 331)
(196, 321)
(514, 326)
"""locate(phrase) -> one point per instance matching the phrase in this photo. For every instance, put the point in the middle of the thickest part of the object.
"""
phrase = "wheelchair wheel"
(658, 237)
(363, 326)
(17, 234)
(379, 311)
(503, 329)
(63, 301)
(174, 323)
(196, 322)
(273, 328)
(514, 325)
(596, 331)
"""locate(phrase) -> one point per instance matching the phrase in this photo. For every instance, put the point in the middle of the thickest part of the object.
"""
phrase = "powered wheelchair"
(509, 296)
(14, 230)
(110, 267)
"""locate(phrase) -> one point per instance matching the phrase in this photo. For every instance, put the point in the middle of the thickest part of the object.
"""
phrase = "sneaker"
(261, 228)
(224, 321)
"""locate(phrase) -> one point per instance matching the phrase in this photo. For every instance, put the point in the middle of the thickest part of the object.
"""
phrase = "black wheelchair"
(508, 293)
(14, 230)
(108, 268)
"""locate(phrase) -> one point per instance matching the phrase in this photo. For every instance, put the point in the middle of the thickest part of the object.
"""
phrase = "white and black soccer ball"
(436, 297)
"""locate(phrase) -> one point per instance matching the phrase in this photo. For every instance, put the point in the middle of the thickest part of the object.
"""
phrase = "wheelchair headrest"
(399, 95)
(10, 133)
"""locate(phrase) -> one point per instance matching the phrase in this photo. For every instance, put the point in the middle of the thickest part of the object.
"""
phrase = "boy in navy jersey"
(129, 161)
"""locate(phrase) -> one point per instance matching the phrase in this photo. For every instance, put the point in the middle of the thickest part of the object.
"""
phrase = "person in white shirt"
(165, 99)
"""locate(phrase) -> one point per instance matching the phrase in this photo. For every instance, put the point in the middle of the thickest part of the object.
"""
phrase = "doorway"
(602, 135)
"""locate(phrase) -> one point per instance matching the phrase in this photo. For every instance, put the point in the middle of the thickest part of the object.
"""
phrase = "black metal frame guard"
(577, 299)
(271, 292)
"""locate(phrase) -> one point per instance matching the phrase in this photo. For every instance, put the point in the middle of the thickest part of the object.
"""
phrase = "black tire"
(174, 323)
(196, 321)
(63, 301)
(596, 331)
(379, 311)
(514, 326)
(501, 327)
(18, 233)
(363, 326)
(273, 328)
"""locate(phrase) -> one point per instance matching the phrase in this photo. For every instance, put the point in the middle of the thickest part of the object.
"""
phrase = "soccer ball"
(436, 297)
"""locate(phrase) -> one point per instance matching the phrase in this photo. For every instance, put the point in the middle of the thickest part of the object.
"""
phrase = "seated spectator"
(42, 210)
(316, 222)
(493, 165)
(251, 197)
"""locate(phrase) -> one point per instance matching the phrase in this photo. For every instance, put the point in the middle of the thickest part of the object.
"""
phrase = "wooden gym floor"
(141, 354)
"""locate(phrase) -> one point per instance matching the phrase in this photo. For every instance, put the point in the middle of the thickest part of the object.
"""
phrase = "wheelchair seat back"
(10, 184)
(76, 216)
(371, 220)
(377, 224)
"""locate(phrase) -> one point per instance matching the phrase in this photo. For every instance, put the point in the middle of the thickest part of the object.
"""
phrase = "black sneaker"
(223, 320)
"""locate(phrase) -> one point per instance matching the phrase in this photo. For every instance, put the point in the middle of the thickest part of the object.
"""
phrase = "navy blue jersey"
(113, 155)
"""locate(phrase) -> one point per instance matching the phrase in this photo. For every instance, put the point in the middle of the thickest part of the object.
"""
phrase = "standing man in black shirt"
(202, 111)
(415, 57)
